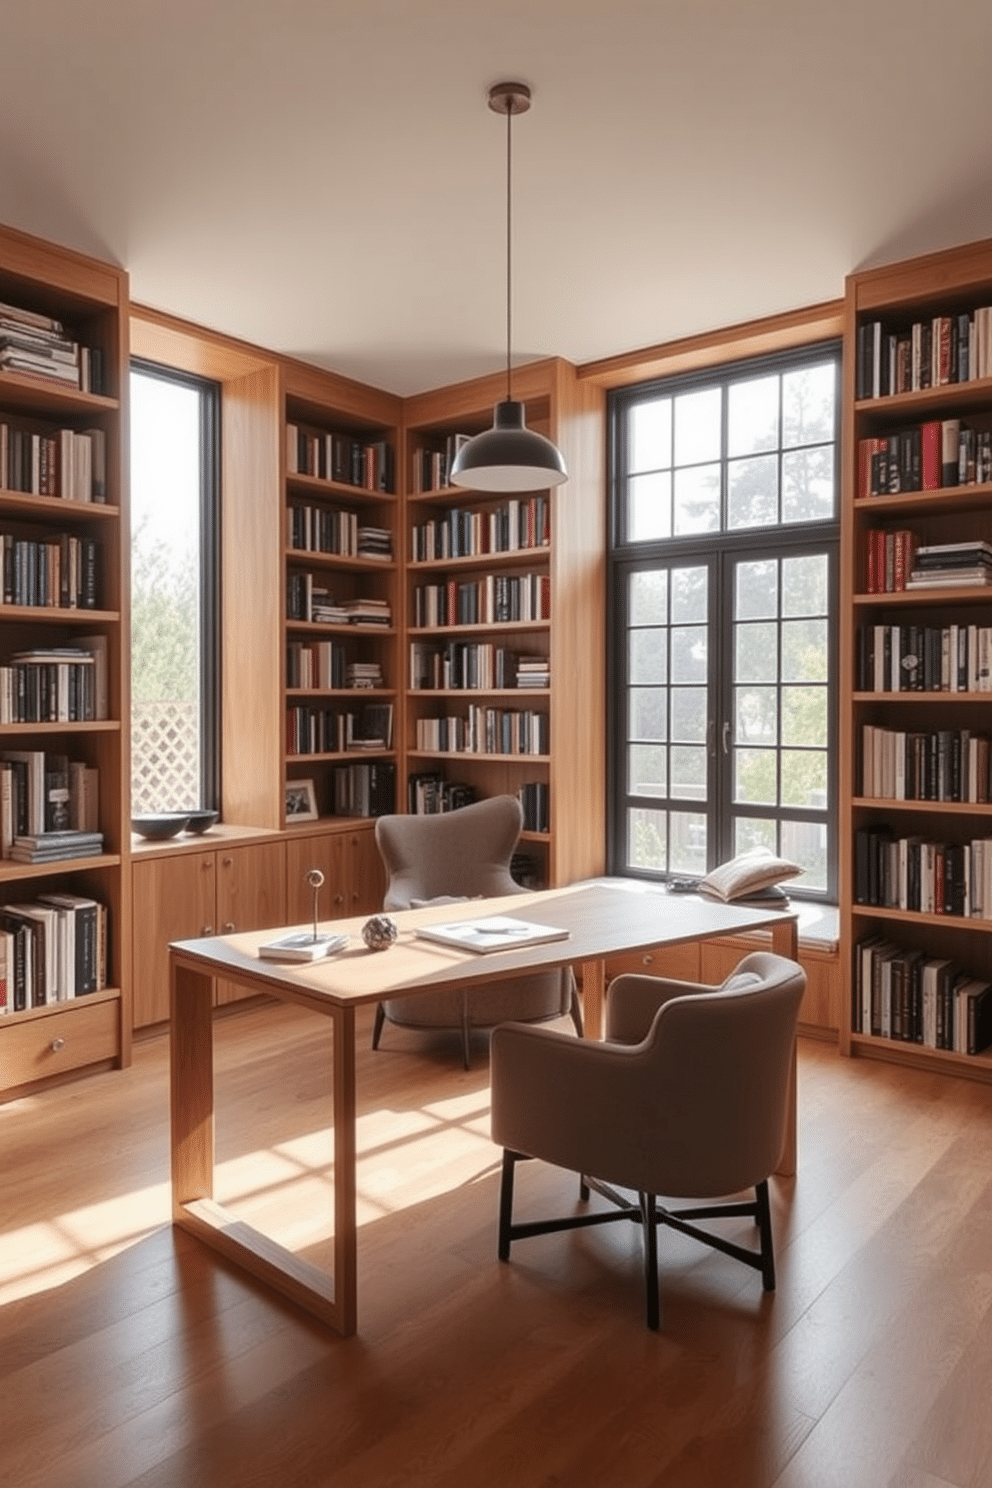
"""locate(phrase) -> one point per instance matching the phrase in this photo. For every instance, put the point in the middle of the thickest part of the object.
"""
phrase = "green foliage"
(164, 623)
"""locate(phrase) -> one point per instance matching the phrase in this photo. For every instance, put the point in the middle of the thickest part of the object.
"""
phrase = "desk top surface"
(602, 919)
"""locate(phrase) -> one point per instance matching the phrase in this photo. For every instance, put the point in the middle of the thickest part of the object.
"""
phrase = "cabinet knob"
(338, 898)
(647, 960)
(207, 930)
(58, 1044)
(228, 927)
(227, 862)
(205, 865)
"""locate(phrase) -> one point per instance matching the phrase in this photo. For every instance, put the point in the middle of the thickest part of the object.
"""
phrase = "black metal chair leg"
(506, 1204)
(764, 1221)
(380, 1018)
(649, 1224)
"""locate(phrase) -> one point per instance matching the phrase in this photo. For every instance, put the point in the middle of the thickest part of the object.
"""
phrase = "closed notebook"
(492, 933)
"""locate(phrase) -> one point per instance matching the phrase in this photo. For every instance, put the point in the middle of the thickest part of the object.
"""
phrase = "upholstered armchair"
(447, 858)
(686, 1097)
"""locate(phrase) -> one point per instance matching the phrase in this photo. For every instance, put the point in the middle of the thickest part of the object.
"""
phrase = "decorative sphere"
(379, 932)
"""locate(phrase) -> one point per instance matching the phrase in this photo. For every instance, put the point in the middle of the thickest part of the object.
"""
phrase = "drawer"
(33, 1049)
(678, 961)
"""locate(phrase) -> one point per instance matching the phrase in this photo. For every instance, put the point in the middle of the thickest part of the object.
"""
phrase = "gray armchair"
(686, 1097)
(454, 856)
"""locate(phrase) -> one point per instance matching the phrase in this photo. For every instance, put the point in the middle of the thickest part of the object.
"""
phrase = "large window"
(723, 603)
(174, 591)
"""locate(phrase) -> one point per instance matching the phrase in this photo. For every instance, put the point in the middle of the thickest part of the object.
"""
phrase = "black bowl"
(200, 821)
(156, 828)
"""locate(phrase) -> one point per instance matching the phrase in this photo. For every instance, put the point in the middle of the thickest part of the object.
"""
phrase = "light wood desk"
(602, 920)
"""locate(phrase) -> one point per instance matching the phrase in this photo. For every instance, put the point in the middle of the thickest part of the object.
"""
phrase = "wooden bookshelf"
(46, 1042)
(913, 806)
(563, 554)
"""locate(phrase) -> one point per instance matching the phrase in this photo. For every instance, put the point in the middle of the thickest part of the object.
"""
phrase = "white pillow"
(748, 873)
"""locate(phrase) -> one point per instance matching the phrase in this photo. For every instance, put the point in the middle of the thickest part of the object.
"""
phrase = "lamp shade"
(509, 456)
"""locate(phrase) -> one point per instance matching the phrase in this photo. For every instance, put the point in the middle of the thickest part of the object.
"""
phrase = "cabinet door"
(251, 895)
(173, 899)
(364, 875)
(324, 851)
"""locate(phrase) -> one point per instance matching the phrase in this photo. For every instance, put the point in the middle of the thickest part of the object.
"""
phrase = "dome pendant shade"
(509, 456)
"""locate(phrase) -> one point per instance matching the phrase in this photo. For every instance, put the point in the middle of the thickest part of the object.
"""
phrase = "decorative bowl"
(159, 826)
(201, 821)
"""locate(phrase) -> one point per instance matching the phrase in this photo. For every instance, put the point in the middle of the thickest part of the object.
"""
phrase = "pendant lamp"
(509, 456)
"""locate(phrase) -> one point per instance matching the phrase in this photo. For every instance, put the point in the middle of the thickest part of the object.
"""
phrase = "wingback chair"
(446, 858)
(686, 1097)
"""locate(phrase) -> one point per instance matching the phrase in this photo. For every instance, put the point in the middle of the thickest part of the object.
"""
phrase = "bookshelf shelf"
(931, 439)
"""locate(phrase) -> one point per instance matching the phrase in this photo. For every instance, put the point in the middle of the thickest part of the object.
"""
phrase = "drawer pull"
(228, 927)
(207, 930)
(58, 1044)
(648, 959)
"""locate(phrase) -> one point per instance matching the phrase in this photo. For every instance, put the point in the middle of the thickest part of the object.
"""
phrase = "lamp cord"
(509, 198)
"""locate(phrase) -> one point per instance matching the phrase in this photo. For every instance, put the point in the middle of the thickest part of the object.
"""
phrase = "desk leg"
(345, 1186)
(191, 1038)
(593, 974)
(785, 941)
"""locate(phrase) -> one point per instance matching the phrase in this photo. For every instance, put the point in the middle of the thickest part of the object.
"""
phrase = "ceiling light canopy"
(509, 456)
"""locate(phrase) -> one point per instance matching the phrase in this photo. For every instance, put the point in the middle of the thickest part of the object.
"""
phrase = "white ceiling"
(323, 177)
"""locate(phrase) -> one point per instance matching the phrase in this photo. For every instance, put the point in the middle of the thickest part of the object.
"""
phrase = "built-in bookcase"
(342, 599)
(504, 624)
(916, 843)
(63, 645)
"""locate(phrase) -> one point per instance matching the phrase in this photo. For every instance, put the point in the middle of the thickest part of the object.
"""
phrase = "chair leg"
(466, 1033)
(764, 1222)
(506, 1203)
(649, 1223)
(380, 1018)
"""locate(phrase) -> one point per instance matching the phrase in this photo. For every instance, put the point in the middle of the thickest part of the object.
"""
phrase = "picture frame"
(300, 802)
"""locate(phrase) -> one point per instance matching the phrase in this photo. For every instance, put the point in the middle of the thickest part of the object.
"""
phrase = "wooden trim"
(730, 344)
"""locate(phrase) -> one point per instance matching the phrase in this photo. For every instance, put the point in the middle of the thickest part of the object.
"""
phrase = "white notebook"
(492, 933)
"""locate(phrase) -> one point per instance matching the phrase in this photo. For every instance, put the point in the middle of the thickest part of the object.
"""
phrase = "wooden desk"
(602, 920)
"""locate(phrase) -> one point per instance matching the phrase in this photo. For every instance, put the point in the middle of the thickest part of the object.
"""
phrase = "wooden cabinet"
(63, 520)
(490, 582)
(178, 896)
(915, 705)
(353, 873)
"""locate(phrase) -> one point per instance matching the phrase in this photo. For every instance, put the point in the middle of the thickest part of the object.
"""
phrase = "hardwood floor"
(132, 1355)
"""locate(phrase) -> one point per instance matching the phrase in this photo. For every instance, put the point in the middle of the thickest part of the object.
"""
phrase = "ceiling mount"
(509, 98)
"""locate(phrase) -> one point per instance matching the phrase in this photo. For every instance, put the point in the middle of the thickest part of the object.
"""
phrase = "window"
(174, 591)
(723, 589)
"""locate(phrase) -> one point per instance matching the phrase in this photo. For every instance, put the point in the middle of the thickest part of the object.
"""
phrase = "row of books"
(432, 464)
(889, 555)
(485, 731)
(930, 353)
(320, 529)
(933, 456)
(494, 600)
(66, 684)
(309, 599)
(366, 789)
(535, 800)
(45, 798)
(311, 730)
(924, 658)
(517, 525)
(37, 345)
(459, 665)
(904, 994)
(59, 574)
(339, 457)
(921, 876)
(925, 765)
(324, 666)
(51, 950)
(68, 463)
(428, 793)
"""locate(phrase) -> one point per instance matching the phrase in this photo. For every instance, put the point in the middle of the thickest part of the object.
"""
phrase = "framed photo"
(301, 801)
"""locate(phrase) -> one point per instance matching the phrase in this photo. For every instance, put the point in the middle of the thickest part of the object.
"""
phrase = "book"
(492, 933)
(301, 945)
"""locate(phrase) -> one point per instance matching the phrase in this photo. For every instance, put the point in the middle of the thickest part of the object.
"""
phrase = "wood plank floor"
(131, 1355)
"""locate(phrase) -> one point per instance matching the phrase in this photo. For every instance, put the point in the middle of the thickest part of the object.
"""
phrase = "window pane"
(756, 658)
(755, 776)
(808, 397)
(804, 778)
(688, 767)
(648, 769)
(647, 839)
(697, 426)
(753, 831)
(808, 485)
(804, 716)
(649, 597)
(650, 434)
(689, 715)
(648, 650)
(649, 507)
(752, 492)
(806, 844)
(804, 585)
(688, 653)
(648, 713)
(690, 595)
(805, 650)
(688, 846)
(166, 485)
(697, 499)
(756, 590)
(756, 715)
(752, 416)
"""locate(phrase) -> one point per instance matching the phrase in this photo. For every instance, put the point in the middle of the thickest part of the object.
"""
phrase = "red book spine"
(931, 453)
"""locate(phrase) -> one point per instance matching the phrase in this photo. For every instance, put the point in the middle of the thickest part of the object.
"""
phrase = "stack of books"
(375, 542)
(945, 564)
(56, 847)
(37, 345)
